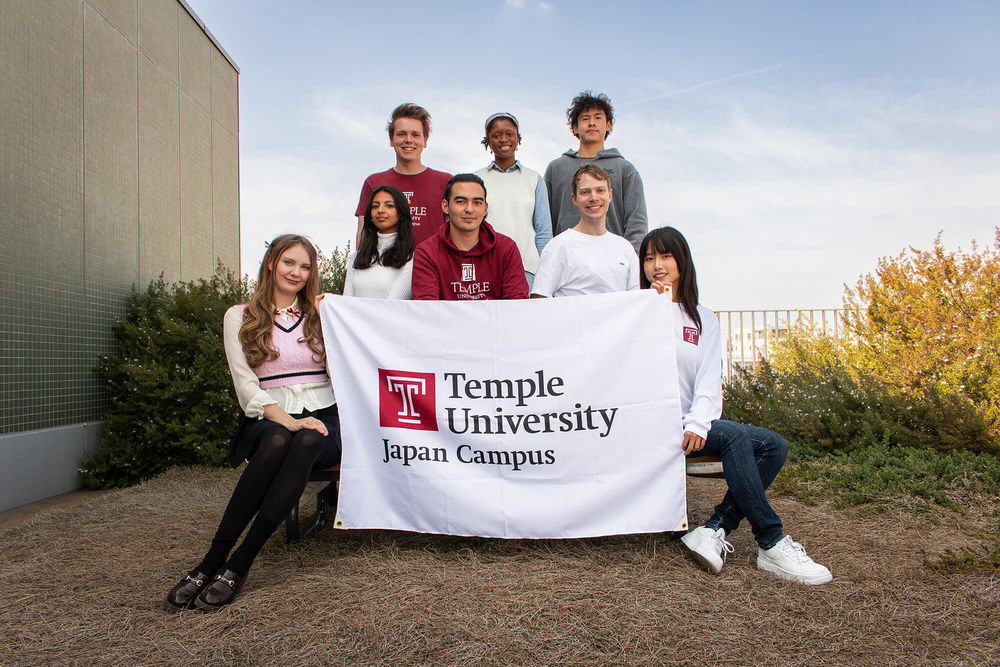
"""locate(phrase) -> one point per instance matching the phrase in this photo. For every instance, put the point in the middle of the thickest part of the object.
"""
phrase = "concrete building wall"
(197, 250)
(159, 175)
(119, 162)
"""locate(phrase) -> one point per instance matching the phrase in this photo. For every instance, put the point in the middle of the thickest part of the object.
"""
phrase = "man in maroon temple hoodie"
(466, 258)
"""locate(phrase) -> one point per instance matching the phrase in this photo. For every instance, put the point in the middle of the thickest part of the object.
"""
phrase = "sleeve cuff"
(697, 429)
(255, 408)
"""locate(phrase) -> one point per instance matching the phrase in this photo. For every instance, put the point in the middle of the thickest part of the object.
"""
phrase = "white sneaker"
(788, 560)
(709, 547)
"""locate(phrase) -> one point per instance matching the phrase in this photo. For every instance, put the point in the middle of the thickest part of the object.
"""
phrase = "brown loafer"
(184, 593)
(220, 592)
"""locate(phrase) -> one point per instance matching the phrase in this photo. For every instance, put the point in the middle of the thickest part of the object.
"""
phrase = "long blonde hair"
(258, 316)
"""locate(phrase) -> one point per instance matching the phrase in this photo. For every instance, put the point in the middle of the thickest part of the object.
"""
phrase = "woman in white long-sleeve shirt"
(289, 425)
(382, 266)
(751, 456)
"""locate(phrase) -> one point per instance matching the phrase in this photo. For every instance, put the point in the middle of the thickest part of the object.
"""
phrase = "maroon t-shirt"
(424, 191)
(492, 269)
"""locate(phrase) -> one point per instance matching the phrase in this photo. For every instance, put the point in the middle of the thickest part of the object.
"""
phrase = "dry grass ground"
(84, 585)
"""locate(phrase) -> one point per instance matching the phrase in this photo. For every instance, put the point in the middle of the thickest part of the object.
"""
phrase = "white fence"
(748, 336)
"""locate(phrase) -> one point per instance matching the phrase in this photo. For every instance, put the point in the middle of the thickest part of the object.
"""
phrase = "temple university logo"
(406, 400)
(468, 273)
(691, 335)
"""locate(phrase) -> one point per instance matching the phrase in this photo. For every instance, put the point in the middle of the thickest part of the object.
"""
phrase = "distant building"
(750, 336)
(746, 348)
(119, 162)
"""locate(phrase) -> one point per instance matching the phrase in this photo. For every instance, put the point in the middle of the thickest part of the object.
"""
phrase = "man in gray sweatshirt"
(590, 118)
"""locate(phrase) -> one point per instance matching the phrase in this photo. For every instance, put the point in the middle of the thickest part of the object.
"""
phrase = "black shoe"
(220, 592)
(182, 595)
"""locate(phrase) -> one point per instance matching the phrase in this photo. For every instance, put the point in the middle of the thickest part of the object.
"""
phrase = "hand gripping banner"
(541, 418)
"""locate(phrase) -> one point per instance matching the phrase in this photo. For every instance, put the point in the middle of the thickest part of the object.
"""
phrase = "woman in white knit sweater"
(518, 199)
(382, 265)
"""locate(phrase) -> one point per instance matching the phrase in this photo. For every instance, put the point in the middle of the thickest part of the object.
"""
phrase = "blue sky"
(793, 143)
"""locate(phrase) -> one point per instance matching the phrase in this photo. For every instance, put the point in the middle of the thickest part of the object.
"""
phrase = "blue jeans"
(751, 458)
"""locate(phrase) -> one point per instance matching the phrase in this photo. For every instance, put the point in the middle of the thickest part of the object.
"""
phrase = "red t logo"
(691, 335)
(406, 400)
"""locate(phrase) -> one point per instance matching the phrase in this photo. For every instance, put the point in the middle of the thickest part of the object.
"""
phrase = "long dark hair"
(400, 252)
(666, 240)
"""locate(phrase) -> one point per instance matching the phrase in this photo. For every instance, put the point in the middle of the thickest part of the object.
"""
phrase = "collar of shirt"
(289, 313)
(516, 165)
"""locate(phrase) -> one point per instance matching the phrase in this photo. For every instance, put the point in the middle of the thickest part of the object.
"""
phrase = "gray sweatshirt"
(627, 213)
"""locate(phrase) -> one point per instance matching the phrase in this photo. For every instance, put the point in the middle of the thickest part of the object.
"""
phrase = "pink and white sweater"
(294, 381)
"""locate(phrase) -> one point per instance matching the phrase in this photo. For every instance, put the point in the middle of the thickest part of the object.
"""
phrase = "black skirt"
(249, 431)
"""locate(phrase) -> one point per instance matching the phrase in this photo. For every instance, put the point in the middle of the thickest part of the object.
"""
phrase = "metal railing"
(748, 336)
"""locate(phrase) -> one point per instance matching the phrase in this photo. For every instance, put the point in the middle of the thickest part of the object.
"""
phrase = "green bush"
(908, 477)
(172, 398)
(829, 408)
(927, 319)
(333, 271)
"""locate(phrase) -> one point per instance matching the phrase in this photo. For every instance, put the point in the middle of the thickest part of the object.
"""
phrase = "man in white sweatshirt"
(587, 258)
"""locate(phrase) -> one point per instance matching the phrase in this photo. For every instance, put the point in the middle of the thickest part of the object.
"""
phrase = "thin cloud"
(761, 196)
(520, 4)
(713, 82)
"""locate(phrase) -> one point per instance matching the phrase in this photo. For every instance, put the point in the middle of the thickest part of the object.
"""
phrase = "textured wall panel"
(159, 182)
(225, 98)
(197, 255)
(111, 198)
(122, 14)
(158, 33)
(226, 196)
(195, 61)
(41, 213)
(91, 138)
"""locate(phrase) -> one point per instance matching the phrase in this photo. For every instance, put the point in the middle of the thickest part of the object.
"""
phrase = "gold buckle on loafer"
(232, 584)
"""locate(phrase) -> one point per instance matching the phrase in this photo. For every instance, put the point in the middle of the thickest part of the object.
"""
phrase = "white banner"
(519, 419)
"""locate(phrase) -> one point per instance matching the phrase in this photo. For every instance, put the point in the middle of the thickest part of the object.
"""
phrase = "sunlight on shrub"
(925, 327)
(918, 365)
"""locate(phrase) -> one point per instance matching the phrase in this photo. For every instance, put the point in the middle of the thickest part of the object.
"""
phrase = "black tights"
(268, 489)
